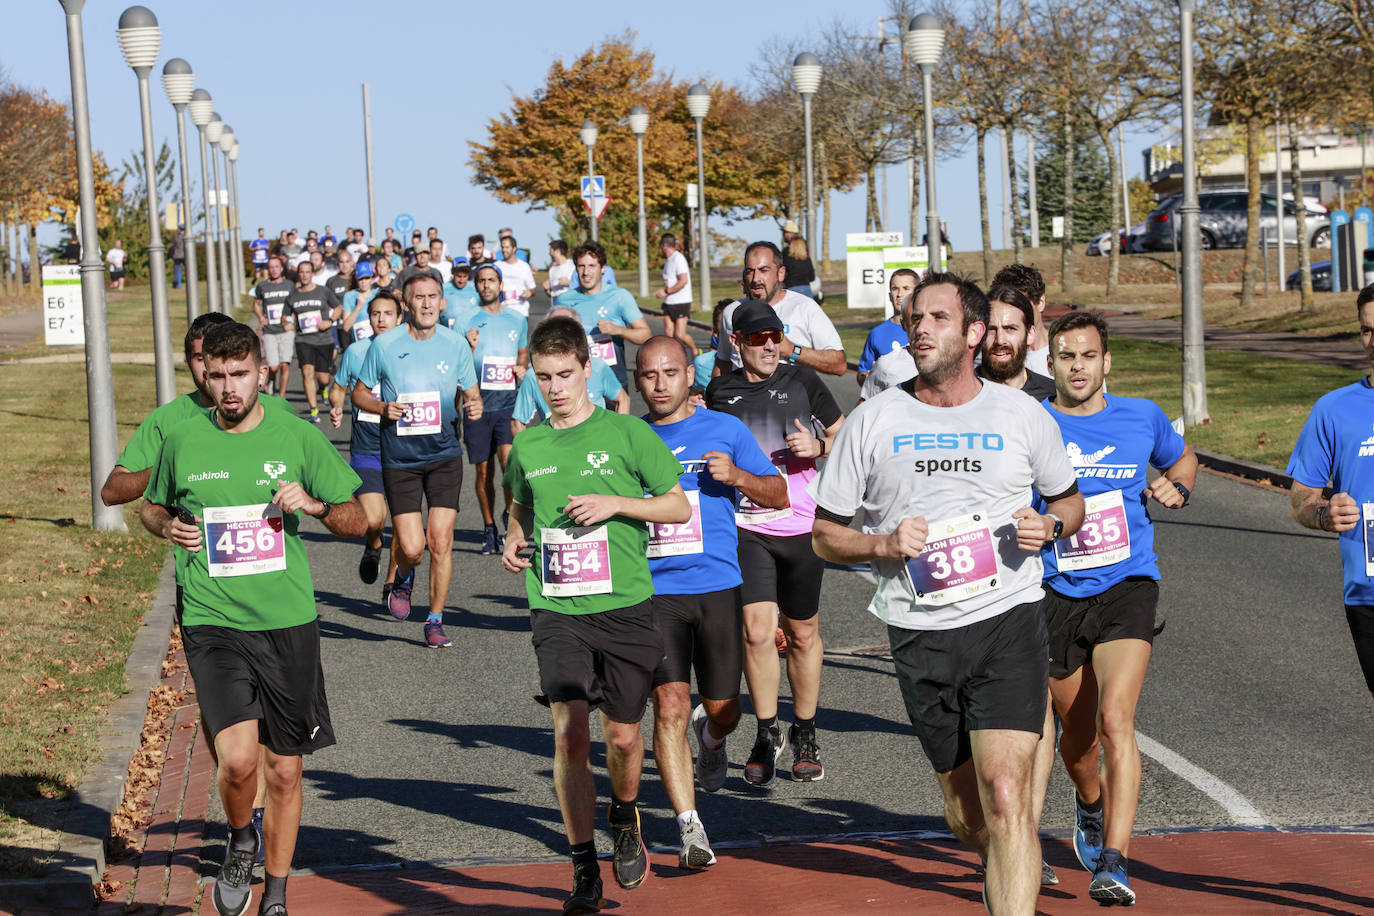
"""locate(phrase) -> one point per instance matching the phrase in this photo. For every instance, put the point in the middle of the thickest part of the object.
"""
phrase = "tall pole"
(1121, 161)
(231, 172)
(100, 402)
(1006, 188)
(367, 147)
(201, 108)
(1030, 190)
(591, 173)
(1278, 202)
(1194, 351)
(806, 78)
(639, 123)
(226, 295)
(704, 246)
(933, 246)
(810, 173)
(178, 80)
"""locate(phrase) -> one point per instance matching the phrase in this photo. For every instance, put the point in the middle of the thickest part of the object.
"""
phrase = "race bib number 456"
(958, 561)
(575, 561)
(244, 540)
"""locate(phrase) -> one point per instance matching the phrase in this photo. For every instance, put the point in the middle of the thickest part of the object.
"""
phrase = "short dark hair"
(1025, 278)
(385, 295)
(201, 326)
(903, 272)
(589, 248)
(559, 336)
(777, 252)
(1365, 297)
(971, 298)
(478, 238)
(1010, 295)
(716, 312)
(668, 239)
(419, 275)
(560, 246)
(433, 240)
(1072, 321)
(231, 340)
(511, 236)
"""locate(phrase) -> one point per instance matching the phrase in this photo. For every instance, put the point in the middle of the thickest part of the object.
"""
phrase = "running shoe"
(1087, 835)
(369, 564)
(586, 892)
(398, 602)
(630, 860)
(780, 641)
(488, 540)
(696, 849)
(806, 755)
(314, 415)
(386, 593)
(233, 888)
(276, 909)
(1110, 885)
(761, 766)
(710, 764)
(434, 636)
(261, 857)
(1048, 876)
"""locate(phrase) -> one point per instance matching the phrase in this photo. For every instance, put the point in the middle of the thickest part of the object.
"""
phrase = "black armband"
(825, 515)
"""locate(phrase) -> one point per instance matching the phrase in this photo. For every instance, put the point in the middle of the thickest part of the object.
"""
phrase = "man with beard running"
(1011, 317)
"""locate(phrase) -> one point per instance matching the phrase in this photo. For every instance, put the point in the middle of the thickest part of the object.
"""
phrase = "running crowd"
(997, 490)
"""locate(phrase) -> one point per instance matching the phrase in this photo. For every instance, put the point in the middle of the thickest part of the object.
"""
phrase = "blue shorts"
(369, 469)
(482, 436)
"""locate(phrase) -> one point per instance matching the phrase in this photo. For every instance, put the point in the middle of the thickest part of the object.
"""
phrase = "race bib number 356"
(424, 413)
(498, 373)
(575, 561)
(244, 540)
(958, 562)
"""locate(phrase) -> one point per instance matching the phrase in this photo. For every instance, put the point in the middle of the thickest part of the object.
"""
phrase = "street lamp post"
(698, 103)
(100, 403)
(925, 42)
(1194, 350)
(236, 254)
(139, 39)
(806, 77)
(588, 134)
(639, 123)
(231, 237)
(202, 108)
(213, 131)
(179, 82)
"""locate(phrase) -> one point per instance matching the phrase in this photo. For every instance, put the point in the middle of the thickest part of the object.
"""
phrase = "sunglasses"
(759, 338)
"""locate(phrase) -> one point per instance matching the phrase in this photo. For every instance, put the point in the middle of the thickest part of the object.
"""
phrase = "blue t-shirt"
(702, 367)
(716, 565)
(459, 305)
(259, 249)
(366, 438)
(881, 341)
(1337, 445)
(1111, 450)
(427, 374)
(362, 328)
(603, 384)
(613, 304)
(500, 338)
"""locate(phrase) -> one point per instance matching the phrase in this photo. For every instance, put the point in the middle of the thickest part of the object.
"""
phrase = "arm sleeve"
(824, 407)
(161, 488)
(1169, 445)
(1313, 460)
(467, 371)
(370, 372)
(514, 478)
(629, 308)
(869, 353)
(607, 382)
(523, 340)
(839, 488)
(141, 451)
(527, 400)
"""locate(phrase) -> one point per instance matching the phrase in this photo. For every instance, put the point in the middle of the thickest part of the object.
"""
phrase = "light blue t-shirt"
(459, 306)
(1110, 452)
(881, 341)
(715, 565)
(500, 338)
(426, 374)
(603, 384)
(702, 367)
(362, 328)
(1337, 445)
(366, 438)
(613, 304)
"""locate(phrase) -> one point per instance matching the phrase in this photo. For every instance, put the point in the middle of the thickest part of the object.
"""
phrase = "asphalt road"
(1254, 712)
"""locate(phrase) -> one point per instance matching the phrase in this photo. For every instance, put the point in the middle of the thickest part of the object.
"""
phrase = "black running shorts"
(705, 632)
(1361, 620)
(989, 674)
(783, 570)
(607, 659)
(1076, 625)
(438, 483)
(678, 310)
(273, 676)
(320, 356)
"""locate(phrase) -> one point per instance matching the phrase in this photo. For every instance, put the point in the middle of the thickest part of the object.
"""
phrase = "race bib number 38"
(244, 540)
(424, 413)
(575, 561)
(678, 540)
(958, 562)
(1103, 539)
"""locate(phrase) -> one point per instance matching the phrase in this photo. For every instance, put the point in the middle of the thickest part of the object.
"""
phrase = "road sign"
(64, 322)
(865, 276)
(917, 259)
(404, 223)
(692, 199)
(594, 194)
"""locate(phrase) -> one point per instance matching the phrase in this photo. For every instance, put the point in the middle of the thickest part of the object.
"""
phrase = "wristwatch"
(796, 353)
(1182, 489)
(1058, 527)
(327, 509)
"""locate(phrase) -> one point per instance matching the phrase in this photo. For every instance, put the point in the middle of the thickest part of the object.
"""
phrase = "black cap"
(755, 315)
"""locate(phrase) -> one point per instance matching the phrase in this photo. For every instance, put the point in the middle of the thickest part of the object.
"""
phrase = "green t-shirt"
(251, 572)
(141, 451)
(606, 453)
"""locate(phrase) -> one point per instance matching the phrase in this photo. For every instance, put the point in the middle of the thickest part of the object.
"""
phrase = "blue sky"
(287, 75)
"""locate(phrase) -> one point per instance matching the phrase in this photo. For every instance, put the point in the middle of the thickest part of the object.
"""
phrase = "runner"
(794, 417)
(517, 280)
(1010, 320)
(697, 583)
(356, 323)
(580, 482)
(1335, 446)
(116, 257)
(944, 469)
(259, 251)
(314, 310)
(498, 337)
(438, 260)
(1032, 285)
(477, 250)
(890, 335)
(560, 271)
(603, 388)
(460, 299)
(610, 315)
(421, 266)
(1102, 589)
(420, 367)
(227, 489)
(276, 328)
(384, 273)
(704, 363)
(676, 292)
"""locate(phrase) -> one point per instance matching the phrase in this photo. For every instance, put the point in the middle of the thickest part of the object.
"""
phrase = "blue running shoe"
(1110, 885)
(1087, 835)
(398, 601)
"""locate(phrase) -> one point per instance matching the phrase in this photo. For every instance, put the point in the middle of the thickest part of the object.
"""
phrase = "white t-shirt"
(560, 279)
(115, 258)
(896, 457)
(892, 368)
(676, 266)
(802, 321)
(1038, 361)
(515, 280)
(444, 266)
(357, 249)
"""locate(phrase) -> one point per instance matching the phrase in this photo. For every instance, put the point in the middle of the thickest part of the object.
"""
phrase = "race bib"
(575, 561)
(958, 562)
(603, 349)
(244, 540)
(423, 415)
(362, 330)
(510, 296)
(1103, 539)
(678, 540)
(367, 416)
(1367, 518)
(309, 321)
(749, 513)
(274, 310)
(498, 373)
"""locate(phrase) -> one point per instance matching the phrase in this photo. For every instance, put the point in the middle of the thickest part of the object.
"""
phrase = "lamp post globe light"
(698, 103)
(806, 79)
(139, 39)
(639, 124)
(225, 144)
(588, 134)
(237, 253)
(213, 131)
(179, 82)
(100, 403)
(1194, 351)
(202, 108)
(925, 42)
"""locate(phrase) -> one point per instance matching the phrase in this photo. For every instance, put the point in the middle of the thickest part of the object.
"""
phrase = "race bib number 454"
(575, 561)
(958, 561)
(244, 540)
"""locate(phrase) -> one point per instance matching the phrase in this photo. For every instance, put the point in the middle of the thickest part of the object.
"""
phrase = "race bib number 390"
(1103, 539)
(424, 413)
(958, 562)
(1367, 523)
(575, 561)
(244, 540)
(678, 540)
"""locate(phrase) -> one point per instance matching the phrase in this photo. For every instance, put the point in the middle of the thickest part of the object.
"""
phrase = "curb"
(1248, 470)
(79, 863)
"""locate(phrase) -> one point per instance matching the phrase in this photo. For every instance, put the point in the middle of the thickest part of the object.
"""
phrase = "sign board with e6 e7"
(64, 323)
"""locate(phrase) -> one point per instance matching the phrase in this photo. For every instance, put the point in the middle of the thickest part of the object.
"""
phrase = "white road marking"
(1224, 794)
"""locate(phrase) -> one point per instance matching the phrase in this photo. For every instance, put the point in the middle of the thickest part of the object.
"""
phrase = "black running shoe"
(806, 755)
(369, 564)
(630, 861)
(586, 892)
(761, 766)
(489, 540)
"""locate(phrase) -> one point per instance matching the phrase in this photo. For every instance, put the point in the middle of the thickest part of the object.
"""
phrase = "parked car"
(1321, 277)
(1129, 240)
(1222, 221)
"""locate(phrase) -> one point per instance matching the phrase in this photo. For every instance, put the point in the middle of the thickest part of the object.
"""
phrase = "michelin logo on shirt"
(1090, 465)
(1367, 447)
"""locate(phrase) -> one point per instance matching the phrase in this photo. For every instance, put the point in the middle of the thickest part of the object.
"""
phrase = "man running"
(944, 470)
(891, 334)
(580, 483)
(258, 248)
(313, 309)
(421, 266)
(460, 298)
(1011, 318)
(676, 292)
(560, 271)
(498, 337)
(602, 387)
(228, 489)
(794, 418)
(1335, 445)
(609, 314)
(517, 280)
(420, 366)
(1028, 280)
(697, 583)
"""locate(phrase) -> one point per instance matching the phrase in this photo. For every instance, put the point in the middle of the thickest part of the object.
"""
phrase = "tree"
(1091, 186)
(128, 217)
